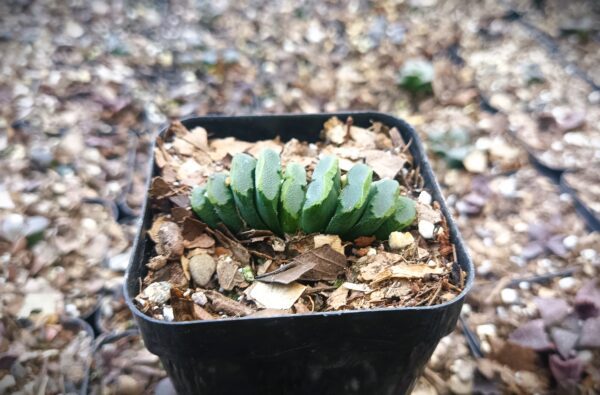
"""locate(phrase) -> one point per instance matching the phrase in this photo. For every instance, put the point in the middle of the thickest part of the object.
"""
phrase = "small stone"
(127, 385)
(168, 313)
(202, 268)
(44, 303)
(466, 309)
(35, 225)
(589, 254)
(41, 156)
(199, 298)
(509, 296)
(11, 227)
(525, 285)
(422, 253)
(337, 134)
(399, 240)
(158, 293)
(570, 242)
(476, 162)
(585, 356)
(425, 198)
(567, 283)
(485, 267)
(73, 29)
(486, 330)
(372, 251)
(426, 229)
(457, 386)
(7, 382)
(6, 201)
(119, 263)
(464, 369)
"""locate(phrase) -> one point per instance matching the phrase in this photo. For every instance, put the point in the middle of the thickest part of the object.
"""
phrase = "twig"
(312, 290)
(435, 295)
(542, 278)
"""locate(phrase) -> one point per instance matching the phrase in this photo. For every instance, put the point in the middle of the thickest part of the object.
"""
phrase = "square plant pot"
(376, 351)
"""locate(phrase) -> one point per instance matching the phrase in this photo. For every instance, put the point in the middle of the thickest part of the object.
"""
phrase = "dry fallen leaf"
(228, 273)
(219, 148)
(239, 252)
(357, 287)
(201, 241)
(333, 240)
(183, 308)
(276, 296)
(156, 224)
(160, 189)
(384, 163)
(338, 298)
(170, 240)
(226, 305)
(403, 270)
(320, 264)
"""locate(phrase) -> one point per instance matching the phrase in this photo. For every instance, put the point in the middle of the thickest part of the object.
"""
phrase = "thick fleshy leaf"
(532, 335)
(552, 309)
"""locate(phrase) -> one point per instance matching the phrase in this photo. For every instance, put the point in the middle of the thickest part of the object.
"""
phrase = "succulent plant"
(256, 195)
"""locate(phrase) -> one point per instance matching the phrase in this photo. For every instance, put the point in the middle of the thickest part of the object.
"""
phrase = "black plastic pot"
(76, 325)
(378, 351)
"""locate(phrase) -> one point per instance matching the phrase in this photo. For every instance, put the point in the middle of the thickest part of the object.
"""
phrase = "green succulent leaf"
(381, 206)
(203, 208)
(404, 215)
(243, 189)
(268, 187)
(321, 196)
(293, 192)
(352, 200)
(220, 196)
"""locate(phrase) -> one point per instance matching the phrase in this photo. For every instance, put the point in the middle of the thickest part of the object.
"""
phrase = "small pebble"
(525, 285)
(168, 313)
(466, 309)
(11, 228)
(119, 263)
(41, 156)
(463, 368)
(485, 267)
(425, 198)
(199, 298)
(567, 283)
(476, 162)
(426, 229)
(202, 268)
(509, 296)
(158, 293)
(586, 356)
(570, 242)
(372, 251)
(127, 385)
(399, 240)
(486, 330)
(588, 254)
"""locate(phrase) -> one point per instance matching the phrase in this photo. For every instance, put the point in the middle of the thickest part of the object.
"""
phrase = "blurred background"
(505, 95)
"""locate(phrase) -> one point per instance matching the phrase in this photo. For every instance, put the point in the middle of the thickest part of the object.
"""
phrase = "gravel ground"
(84, 87)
